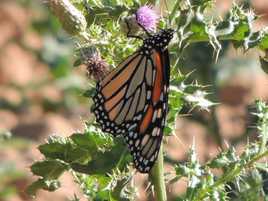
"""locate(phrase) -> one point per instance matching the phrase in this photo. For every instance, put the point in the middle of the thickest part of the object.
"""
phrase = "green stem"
(264, 129)
(258, 157)
(119, 164)
(157, 178)
(174, 10)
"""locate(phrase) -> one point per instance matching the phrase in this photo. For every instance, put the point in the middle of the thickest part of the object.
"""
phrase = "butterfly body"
(132, 100)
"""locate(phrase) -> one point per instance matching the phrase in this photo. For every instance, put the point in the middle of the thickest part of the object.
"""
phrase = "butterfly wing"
(132, 100)
(121, 96)
(144, 140)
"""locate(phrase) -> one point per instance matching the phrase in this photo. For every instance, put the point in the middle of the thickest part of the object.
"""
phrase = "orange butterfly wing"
(144, 140)
(121, 96)
(133, 100)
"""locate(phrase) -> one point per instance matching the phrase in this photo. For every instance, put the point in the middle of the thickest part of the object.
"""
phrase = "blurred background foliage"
(41, 93)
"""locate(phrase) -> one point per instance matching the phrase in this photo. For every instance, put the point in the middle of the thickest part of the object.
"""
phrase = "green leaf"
(5, 135)
(182, 170)
(201, 3)
(219, 161)
(94, 139)
(94, 186)
(264, 42)
(168, 129)
(89, 93)
(49, 185)
(264, 64)
(56, 147)
(240, 31)
(80, 156)
(77, 62)
(49, 169)
(262, 166)
(175, 105)
(86, 141)
(198, 29)
(103, 163)
(64, 149)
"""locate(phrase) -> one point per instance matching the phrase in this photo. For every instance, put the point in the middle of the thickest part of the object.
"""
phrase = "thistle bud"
(97, 68)
(72, 20)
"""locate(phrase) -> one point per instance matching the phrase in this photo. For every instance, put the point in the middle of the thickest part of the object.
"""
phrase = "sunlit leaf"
(49, 185)
(49, 169)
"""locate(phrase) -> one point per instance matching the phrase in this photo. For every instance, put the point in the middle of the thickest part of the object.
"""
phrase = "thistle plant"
(101, 164)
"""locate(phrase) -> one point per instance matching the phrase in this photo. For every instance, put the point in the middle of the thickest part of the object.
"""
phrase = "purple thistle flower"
(97, 68)
(147, 17)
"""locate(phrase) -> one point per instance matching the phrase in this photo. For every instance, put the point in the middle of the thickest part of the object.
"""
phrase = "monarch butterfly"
(132, 100)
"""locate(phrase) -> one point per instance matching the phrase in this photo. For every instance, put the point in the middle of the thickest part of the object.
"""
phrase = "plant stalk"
(157, 178)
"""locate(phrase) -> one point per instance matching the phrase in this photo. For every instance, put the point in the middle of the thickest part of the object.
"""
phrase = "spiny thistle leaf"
(193, 26)
(264, 64)
(64, 149)
(49, 169)
(108, 187)
(236, 169)
(49, 185)
(93, 139)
